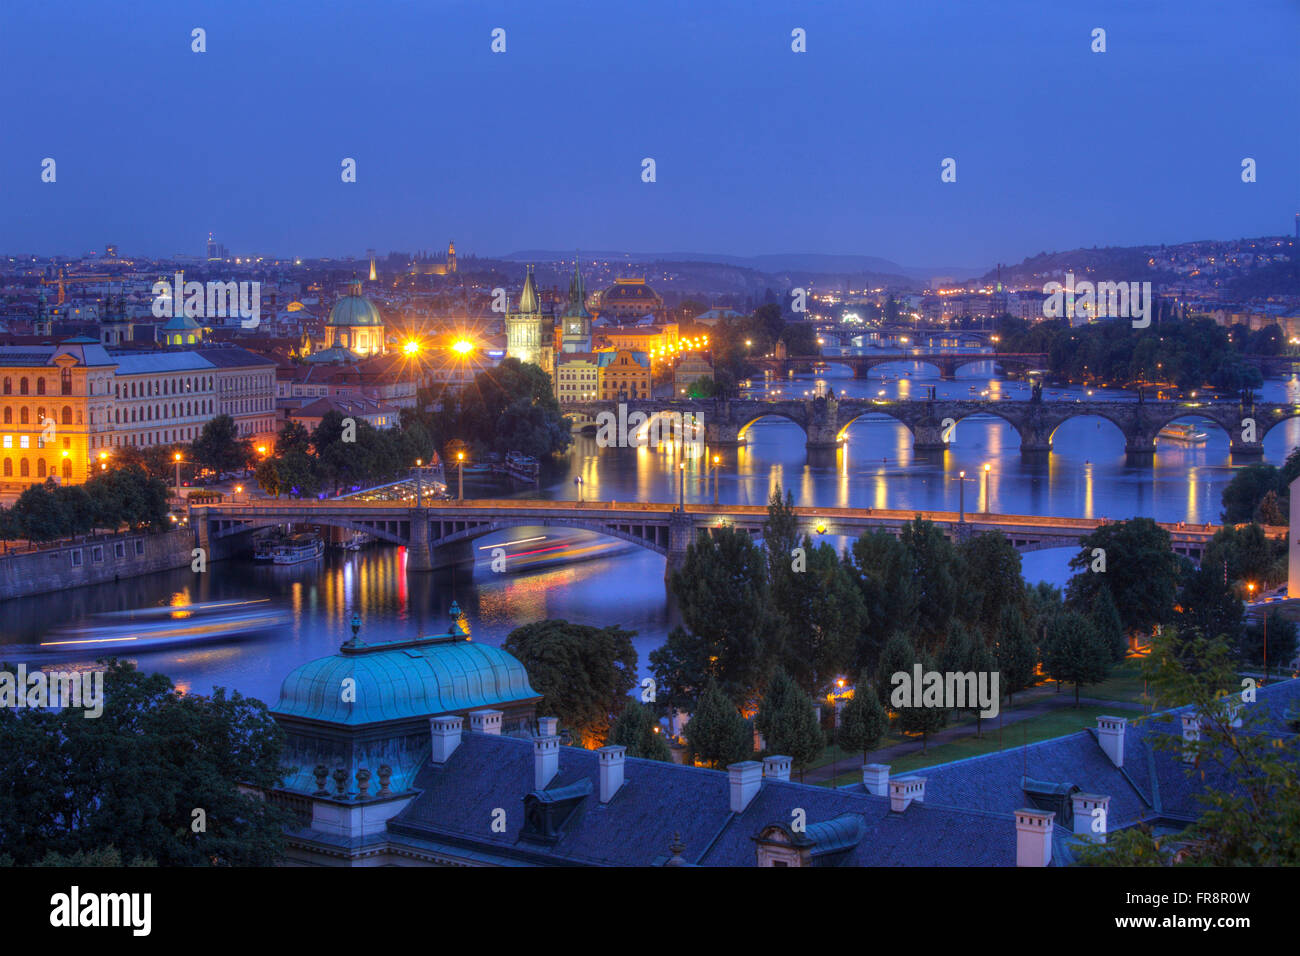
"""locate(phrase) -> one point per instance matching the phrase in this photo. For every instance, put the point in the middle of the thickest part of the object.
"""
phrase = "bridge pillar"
(1244, 449)
(861, 370)
(947, 368)
(721, 434)
(681, 532)
(202, 535)
(1035, 441)
(418, 555)
(1140, 448)
(823, 437)
(927, 438)
(451, 555)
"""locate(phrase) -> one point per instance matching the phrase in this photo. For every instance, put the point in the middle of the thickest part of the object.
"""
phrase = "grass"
(1056, 723)
(1125, 683)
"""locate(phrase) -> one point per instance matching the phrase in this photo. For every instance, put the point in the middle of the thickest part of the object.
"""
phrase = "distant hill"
(811, 263)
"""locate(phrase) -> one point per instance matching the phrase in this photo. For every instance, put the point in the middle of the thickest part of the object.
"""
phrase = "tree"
(131, 778)
(863, 721)
(936, 574)
(820, 613)
(219, 446)
(268, 477)
(1015, 652)
(897, 657)
(1209, 607)
(637, 730)
(1105, 618)
(1252, 821)
(721, 590)
(882, 571)
(583, 673)
(793, 728)
(1276, 635)
(1246, 554)
(716, 734)
(1142, 572)
(1074, 652)
(1243, 495)
(991, 581)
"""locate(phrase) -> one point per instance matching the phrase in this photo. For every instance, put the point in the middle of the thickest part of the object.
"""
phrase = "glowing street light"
(462, 346)
(460, 476)
(987, 467)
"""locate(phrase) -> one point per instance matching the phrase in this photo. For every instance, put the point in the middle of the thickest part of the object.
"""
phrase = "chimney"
(777, 768)
(1085, 807)
(1110, 734)
(1191, 735)
(445, 732)
(485, 722)
(745, 777)
(903, 792)
(1034, 836)
(546, 753)
(875, 777)
(611, 771)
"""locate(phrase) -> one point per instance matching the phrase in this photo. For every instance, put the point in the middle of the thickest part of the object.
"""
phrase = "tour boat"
(1183, 434)
(264, 548)
(153, 627)
(299, 548)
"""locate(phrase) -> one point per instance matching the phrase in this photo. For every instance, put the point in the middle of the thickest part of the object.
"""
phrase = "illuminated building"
(631, 299)
(623, 374)
(355, 324)
(423, 265)
(575, 323)
(529, 332)
(577, 377)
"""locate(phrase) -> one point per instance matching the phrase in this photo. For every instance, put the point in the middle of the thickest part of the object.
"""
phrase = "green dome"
(403, 679)
(354, 310)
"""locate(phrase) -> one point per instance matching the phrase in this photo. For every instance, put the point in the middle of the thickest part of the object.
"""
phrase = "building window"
(65, 382)
(119, 549)
(75, 556)
(139, 546)
(97, 554)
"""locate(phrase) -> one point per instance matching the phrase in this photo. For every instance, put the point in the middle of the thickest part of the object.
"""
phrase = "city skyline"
(836, 150)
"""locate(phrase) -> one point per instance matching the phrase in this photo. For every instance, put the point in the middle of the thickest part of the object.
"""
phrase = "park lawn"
(1056, 723)
(1124, 683)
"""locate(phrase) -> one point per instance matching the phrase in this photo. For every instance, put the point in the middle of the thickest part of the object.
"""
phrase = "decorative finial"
(678, 848)
(356, 628)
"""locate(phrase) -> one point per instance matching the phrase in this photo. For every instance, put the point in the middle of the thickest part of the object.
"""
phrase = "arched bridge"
(934, 423)
(946, 362)
(439, 535)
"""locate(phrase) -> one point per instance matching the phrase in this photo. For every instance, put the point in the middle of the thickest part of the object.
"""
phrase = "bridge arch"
(786, 416)
(1188, 418)
(1082, 416)
(238, 526)
(651, 537)
(872, 413)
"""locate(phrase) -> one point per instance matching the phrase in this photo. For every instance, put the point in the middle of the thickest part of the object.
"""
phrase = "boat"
(1183, 434)
(155, 627)
(264, 548)
(299, 548)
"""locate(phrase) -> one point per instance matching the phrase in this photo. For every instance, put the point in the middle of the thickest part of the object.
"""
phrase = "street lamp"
(419, 467)
(681, 485)
(716, 459)
(177, 458)
(460, 476)
(987, 467)
(577, 480)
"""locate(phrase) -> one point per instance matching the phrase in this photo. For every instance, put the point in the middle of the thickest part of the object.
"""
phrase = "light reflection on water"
(1086, 476)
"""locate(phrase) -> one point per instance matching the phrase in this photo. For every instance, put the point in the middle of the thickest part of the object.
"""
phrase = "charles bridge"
(947, 362)
(933, 422)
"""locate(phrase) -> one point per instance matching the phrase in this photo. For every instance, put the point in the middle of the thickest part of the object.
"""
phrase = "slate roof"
(658, 800)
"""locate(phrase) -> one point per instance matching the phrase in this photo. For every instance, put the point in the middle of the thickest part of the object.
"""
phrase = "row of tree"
(340, 453)
(121, 496)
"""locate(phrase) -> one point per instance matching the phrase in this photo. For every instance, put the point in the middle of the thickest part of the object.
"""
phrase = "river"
(1085, 476)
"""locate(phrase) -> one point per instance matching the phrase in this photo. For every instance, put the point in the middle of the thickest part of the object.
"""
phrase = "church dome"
(354, 309)
(403, 679)
(630, 292)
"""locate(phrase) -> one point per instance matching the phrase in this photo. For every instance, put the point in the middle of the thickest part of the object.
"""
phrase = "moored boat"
(299, 548)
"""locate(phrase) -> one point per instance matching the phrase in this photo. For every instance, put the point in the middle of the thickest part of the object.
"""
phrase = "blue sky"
(758, 149)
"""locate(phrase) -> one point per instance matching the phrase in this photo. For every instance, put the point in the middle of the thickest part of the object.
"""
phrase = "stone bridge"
(440, 534)
(946, 362)
(933, 423)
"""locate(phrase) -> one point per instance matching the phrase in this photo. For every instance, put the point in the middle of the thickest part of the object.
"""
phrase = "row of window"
(42, 469)
(97, 552)
(164, 386)
(24, 385)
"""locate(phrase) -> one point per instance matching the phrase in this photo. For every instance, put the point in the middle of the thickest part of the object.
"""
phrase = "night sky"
(758, 149)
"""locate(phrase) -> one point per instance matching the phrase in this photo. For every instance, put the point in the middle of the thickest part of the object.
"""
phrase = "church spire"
(529, 302)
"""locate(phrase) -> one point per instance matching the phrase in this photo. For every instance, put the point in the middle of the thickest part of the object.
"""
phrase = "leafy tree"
(1243, 495)
(897, 657)
(1105, 618)
(1247, 554)
(219, 446)
(991, 581)
(936, 575)
(131, 778)
(793, 728)
(721, 590)
(583, 673)
(1256, 821)
(637, 730)
(779, 686)
(964, 652)
(511, 407)
(820, 613)
(1209, 607)
(863, 721)
(268, 477)
(921, 719)
(882, 570)
(1142, 573)
(716, 734)
(1075, 652)
(1015, 652)
(1276, 635)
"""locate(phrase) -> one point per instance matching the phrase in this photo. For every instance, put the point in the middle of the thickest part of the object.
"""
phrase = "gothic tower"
(576, 321)
(527, 336)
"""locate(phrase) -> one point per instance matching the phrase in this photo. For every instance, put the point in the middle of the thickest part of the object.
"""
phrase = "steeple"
(577, 293)
(529, 301)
